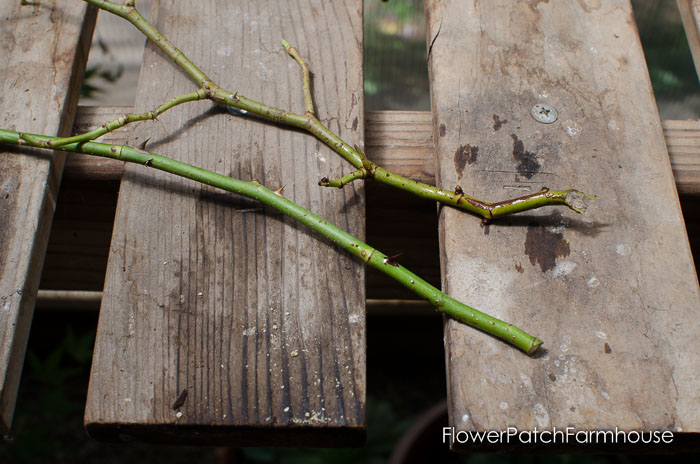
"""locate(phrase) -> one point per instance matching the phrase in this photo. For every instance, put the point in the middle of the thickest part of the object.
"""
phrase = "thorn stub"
(392, 260)
(279, 191)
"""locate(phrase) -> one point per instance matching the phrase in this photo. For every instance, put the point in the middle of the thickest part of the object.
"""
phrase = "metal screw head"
(543, 113)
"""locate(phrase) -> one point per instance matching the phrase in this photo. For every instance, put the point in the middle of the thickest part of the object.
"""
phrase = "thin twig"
(306, 76)
(339, 183)
(117, 123)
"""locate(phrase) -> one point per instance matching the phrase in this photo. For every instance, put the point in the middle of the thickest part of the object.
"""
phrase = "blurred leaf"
(666, 49)
(89, 88)
(79, 348)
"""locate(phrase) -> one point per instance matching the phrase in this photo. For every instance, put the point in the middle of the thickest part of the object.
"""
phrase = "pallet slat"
(43, 50)
(220, 322)
(683, 143)
(606, 291)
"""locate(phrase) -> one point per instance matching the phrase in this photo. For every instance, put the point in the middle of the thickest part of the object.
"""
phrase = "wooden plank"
(43, 49)
(610, 292)
(690, 15)
(683, 143)
(92, 168)
(402, 142)
(257, 319)
(76, 255)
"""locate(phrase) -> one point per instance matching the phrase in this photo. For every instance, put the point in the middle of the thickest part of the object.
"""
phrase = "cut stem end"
(578, 201)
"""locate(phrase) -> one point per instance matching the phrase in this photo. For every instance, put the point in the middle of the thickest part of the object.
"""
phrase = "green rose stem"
(365, 169)
(255, 190)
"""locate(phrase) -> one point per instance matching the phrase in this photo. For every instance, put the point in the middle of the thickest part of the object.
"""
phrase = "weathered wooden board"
(613, 293)
(402, 142)
(89, 168)
(258, 320)
(683, 143)
(43, 49)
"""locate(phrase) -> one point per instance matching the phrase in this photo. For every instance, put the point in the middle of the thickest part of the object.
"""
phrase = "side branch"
(573, 199)
(117, 123)
(340, 183)
(362, 251)
(306, 76)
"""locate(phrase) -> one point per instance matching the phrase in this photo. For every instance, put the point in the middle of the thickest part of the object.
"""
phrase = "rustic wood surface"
(402, 142)
(223, 322)
(613, 293)
(43, 49)
(82, 167)
(683, 143)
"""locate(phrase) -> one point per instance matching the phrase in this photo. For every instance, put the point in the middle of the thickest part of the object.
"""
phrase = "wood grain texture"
(690, 15)
(683, 143)
(43, 49)
(92, 168)
(612, 292)
(260, 321)
(402, 142)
